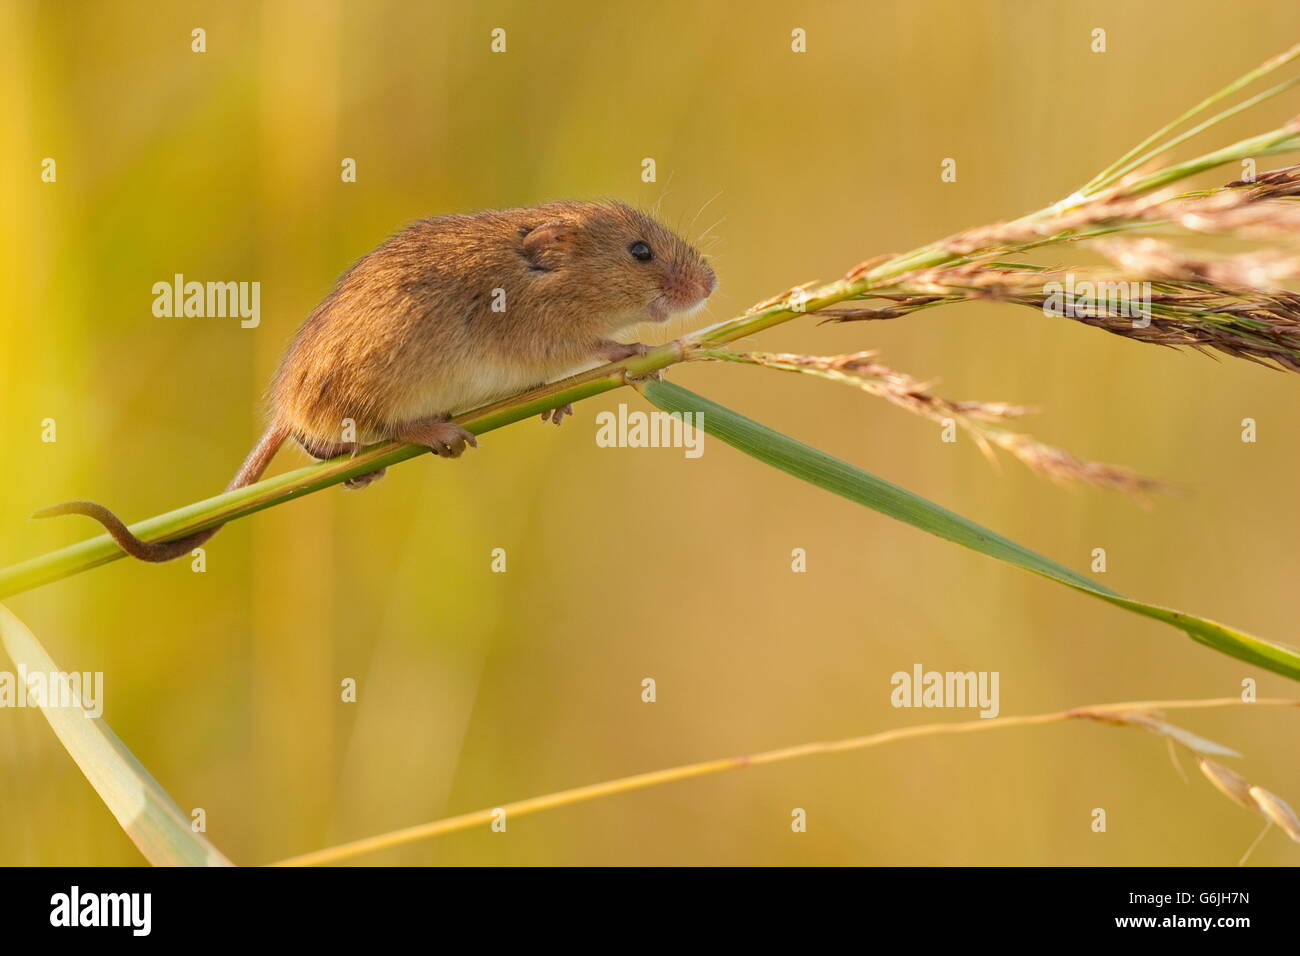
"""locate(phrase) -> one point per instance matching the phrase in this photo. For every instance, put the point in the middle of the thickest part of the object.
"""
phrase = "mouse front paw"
(617, 351)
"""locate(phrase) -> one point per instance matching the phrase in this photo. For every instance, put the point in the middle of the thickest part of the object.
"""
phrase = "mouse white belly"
(460, 392)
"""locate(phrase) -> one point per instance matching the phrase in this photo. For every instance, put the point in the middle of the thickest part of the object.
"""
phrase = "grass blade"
(848, 481)
(153, 821)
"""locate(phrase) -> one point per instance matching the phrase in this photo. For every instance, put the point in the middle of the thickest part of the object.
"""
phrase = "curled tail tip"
(151, 551)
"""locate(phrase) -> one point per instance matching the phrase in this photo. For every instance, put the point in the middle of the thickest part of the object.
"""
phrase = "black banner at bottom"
(336, 905)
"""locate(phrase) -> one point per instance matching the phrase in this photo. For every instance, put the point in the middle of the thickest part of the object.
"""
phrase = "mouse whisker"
(706, 232)
(706, 205)
(663, 194)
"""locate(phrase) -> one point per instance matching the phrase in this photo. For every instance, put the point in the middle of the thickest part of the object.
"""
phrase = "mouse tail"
(158, 551)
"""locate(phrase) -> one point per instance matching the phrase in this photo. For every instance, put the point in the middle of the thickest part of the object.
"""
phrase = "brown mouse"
(452, 313)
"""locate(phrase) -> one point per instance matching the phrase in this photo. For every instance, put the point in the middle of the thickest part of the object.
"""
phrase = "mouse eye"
(640, 252)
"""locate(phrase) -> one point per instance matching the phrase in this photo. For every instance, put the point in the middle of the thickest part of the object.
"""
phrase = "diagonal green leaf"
(153, 821)
(848, 481)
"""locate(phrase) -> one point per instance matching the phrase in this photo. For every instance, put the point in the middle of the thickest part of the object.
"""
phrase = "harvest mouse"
(452, 313)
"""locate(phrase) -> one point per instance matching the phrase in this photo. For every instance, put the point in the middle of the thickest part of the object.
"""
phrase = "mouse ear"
(544, 243)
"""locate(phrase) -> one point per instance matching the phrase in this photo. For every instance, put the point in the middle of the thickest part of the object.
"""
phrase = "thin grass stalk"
(1105, 713)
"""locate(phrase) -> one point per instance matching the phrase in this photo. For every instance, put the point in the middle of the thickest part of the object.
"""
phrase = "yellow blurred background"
(476, 688)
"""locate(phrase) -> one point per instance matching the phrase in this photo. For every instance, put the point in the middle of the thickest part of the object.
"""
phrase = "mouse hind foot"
(443, 437)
